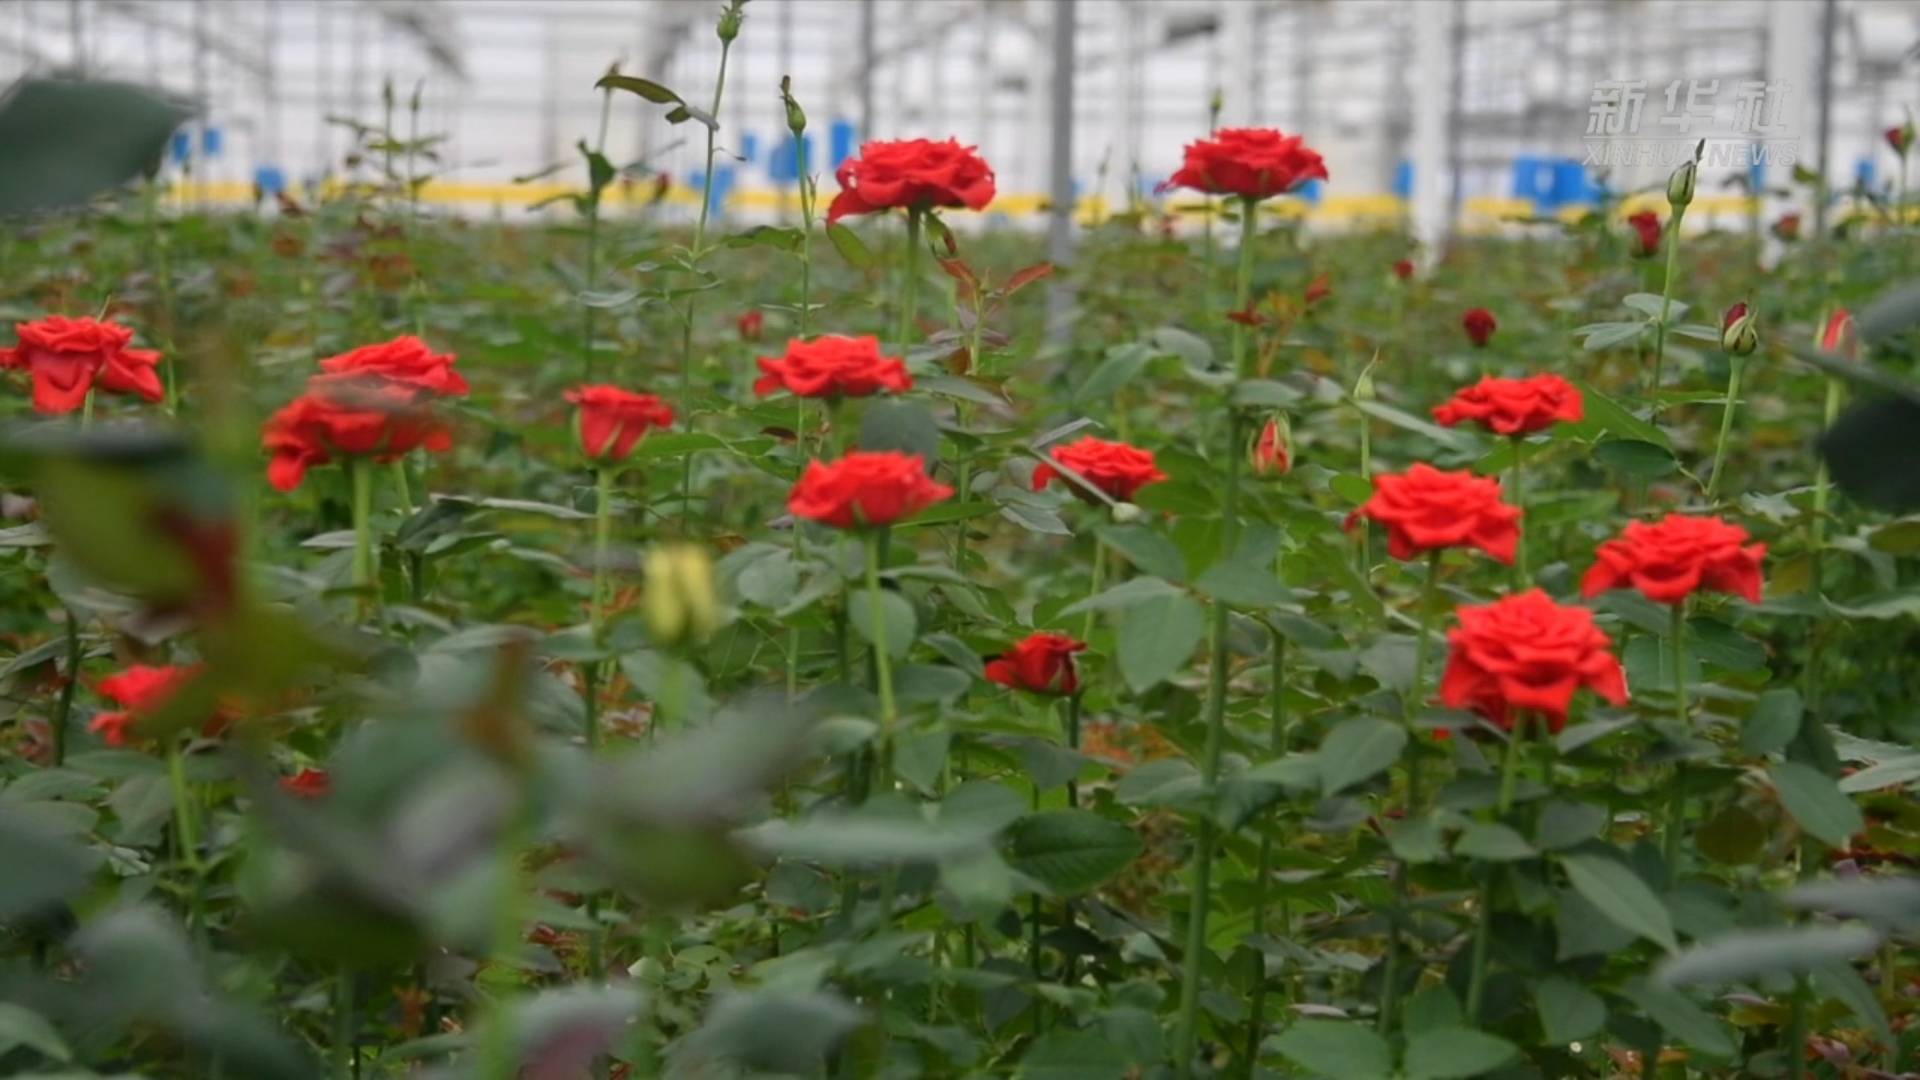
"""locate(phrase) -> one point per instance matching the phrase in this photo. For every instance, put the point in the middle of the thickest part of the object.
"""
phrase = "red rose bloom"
(1319, 289)
(334, 419)
(1513, 406)
(1041, 663)
(1839, 336)
(751, 323)
(1673, 558)
(612, 420)
(1425, 509)
(1403, 269)
(405, 360)
(1479, 325)
(865, 488)
(67, 356)
(912, 174)
(1526, 653)
(1646, 228)
(833, 367)
(307, 784)
(1787, 227)
(1113, 467)
(139, 690)
(1271, 455)
(1254, 163)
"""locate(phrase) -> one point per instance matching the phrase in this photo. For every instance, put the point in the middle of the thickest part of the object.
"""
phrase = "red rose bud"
(613, 421)
(752, 324)
(911, 174)
(1253, 163)
(140, 691)
(1479, 325)
(307, 784)
(1787, 228)
(69, 358)
(1646, 228)
(1514, 406)
(833, 367)
(865, 488)
(1115, 468)
(1528, 654)
(1425, 509)
(1271, 455)
(1040, 663)
(1900, 137)
(1839, 337)
(1738, 334)
(1319, 289)
(1403, 269)
(1671, 559)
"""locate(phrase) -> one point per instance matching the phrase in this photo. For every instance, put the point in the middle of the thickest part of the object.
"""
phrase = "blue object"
(180, 147)
(1863, 172)
(841, 137)
(723, 178)
(1756, 175)
(750, 146)
(1310, 192)
(269, 179)
(1552, 183)
(783, 163)
(211, 140)
(1403, 179)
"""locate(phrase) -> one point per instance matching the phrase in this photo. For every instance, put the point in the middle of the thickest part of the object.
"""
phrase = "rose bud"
(679, 600)
(1681, 184)
(796, 117)
(1271, 455)
(1901, 138)
(1738, 335)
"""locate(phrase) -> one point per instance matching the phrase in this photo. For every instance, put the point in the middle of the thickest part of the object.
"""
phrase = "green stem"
(1207, 835)
(1094, 586)
(1510, 754)
(1734, 364)
(360, 474)
(909, 281)
(882, 659)
(1666, 303)
(183, 815)
(1277, 746)
(590, 363)
(345, 1025)
(63, 712)
(694, 257)
(1516, 479)
(1073, 743)
(86, 411)
(602, 542)
(1429, 590)
(497, 1057)
(1675, 824)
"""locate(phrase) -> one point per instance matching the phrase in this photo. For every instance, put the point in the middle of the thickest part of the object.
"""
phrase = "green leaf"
(1493, 842)
(1147, 549)
(780, 1031)
(1128, 594)
(68, 140)
(1873, 455)
(1816, 802)
(905, 426)
(646, 88)
(1070, 851)
(1744, 955)
(1605, 414)
(1452, 1053)
(1774, 723)
(1635, 457)
(1893, 772)
(21, 1026)
(1619, 894)
(1073, 1055)
(850, 246)
(1358, 748)
(1680, 1017)
(1336, 1048)
(901, 624)
(1568, 1011)
(1451, 438)
(1158, 637)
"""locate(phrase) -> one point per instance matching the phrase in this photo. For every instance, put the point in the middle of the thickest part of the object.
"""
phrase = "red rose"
(1403, 269)
(612, 420)
(1513, 406)
(1839, 337)
(333, 419)
(1319, 289)
(1646, 227)
(1900, 138)
(307, 784)
(1671, 559)
(865, 488)
(1113, 467)
(1787, 227)
(1526, 653)
(912, 174)
(1272, 453)
(1041, 663)
(66, 356)
(752, 322)
(405, 360)
(139, 691)
(833, 367)
(1255, 163)
(1479, 325)
(1425, 509)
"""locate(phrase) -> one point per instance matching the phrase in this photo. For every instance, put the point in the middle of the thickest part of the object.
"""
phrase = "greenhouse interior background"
(1513, 107)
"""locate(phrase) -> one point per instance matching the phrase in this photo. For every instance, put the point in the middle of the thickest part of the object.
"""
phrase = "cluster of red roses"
(1527, 654)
